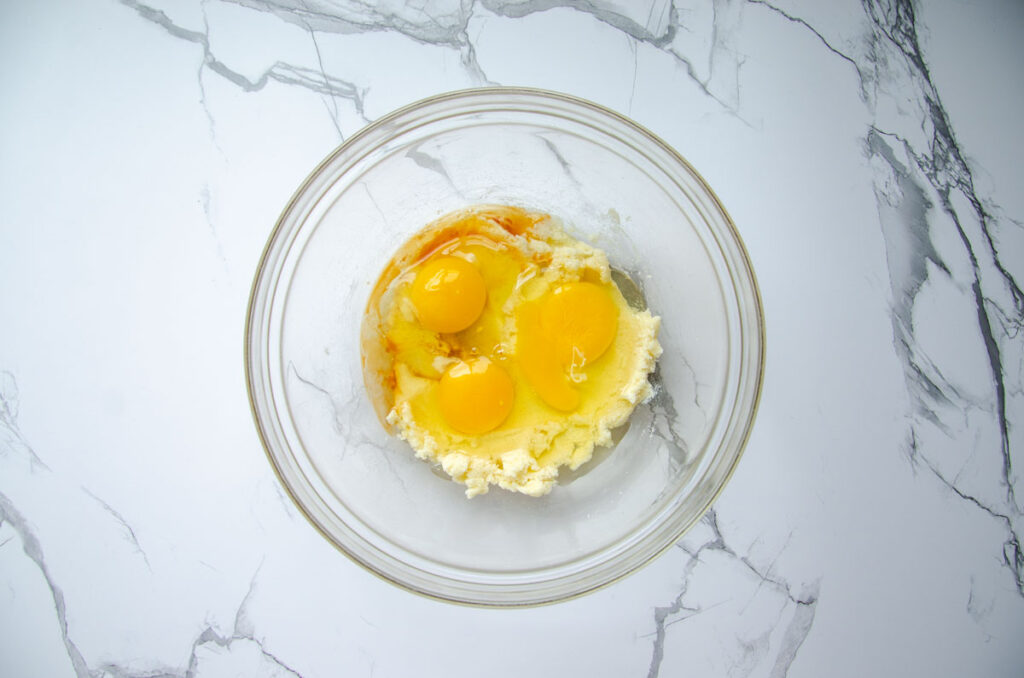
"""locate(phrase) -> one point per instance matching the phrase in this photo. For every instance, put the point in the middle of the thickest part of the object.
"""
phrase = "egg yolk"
(449, 294)
(475, 395)
(540, 364)
(560, 334)
(581, 319)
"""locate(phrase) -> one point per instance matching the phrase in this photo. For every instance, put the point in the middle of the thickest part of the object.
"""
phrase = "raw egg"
(498, 346)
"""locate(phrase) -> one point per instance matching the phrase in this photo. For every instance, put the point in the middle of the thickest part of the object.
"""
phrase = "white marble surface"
(869, 156)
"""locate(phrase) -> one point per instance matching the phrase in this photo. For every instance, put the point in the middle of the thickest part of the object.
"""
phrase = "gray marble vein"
(467, 54)
(354, 435)
(434, 22)
(663, 28)
(675, 609)
(129, 532)
(925, 190)
(32, 548)
(331, 103)
(431, 163)
(210, 121)
(243, 631)
(937, 168)
(314, 80)
(804, 24)
(665, 417)
(204, 202)
(721, 60)
(438, 22)
(796, 633)
(756, 651)
(650, 25)
(336, 405)
(9, 421)
(444, 23)
(14, 443)
(560, 159)
(1013, 556)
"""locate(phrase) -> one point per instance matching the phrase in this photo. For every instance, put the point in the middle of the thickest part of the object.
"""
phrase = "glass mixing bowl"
(616, 186)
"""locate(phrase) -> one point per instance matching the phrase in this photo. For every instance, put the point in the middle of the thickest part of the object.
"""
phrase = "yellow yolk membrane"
(475, 396)
(498, 346)
(449, 294)
(560, 334)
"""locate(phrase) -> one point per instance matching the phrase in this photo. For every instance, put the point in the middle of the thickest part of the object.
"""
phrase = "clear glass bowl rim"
(384, 126)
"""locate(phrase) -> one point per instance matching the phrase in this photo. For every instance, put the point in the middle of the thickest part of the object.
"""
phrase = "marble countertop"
(868, 155)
